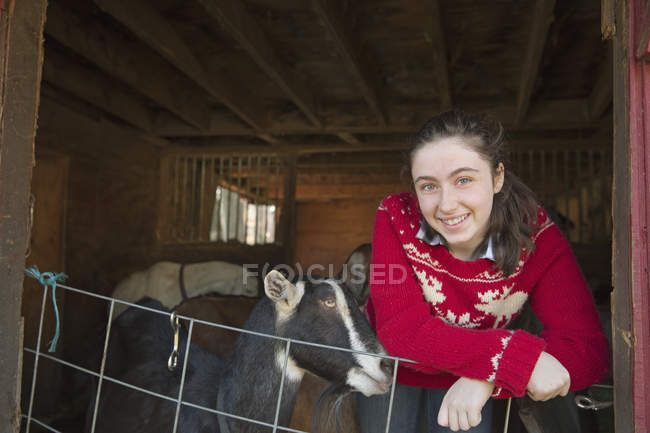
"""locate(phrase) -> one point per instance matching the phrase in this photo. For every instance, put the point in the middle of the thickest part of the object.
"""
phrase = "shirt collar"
(427, 235)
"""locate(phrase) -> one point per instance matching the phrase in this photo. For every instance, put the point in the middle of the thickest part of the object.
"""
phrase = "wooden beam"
(96, 89)
(601, 95)
(333, 17)
(349, 138)
(542, 17)
(69, 131)
(129, 63)
(21, 60)
(439, 49)
(232, 15)
(333, 192)
(156, 32)
(561, 114)
(288, 215)
(203, 147)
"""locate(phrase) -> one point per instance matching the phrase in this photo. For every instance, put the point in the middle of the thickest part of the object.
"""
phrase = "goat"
(246, 384)
(234, 310)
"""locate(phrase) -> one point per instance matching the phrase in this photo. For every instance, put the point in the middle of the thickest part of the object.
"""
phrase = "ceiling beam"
(155, 31)
(439, 49)
(560, 114)
(232, 15)
(601, 95)
(96, 89)
(542, 17)
(134, 66)
(381, 147)
(64, 128)
(349, 138)
(332, 15)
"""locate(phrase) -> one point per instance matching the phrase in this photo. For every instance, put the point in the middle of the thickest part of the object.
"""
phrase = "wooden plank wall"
(47, 246)
(327, 232)
(111, 204)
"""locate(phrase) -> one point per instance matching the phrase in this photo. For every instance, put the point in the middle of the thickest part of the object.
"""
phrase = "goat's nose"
(387, 366)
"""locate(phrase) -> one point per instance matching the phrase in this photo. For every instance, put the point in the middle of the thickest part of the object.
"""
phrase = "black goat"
(320, 311)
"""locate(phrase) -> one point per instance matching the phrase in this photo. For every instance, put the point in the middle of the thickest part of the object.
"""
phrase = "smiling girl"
(475, 246)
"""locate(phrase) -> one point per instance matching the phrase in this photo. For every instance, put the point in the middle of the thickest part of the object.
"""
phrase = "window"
(220, 198)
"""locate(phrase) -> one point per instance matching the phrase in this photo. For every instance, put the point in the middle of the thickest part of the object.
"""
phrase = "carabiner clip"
(172, 362)
(586, 402)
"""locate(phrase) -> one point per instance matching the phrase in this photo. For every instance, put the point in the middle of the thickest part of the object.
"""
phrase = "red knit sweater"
(448, 314)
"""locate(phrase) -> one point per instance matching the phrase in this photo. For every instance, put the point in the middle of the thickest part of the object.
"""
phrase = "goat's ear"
(281, 291)
(356, 273)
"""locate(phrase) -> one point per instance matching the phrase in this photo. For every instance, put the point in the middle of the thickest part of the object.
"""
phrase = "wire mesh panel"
(220, 198)
(140, 389)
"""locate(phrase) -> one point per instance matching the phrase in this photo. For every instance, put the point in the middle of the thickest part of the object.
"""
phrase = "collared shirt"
(427, 235)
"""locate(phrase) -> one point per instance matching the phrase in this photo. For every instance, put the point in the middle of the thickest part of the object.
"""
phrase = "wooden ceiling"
(331, 76)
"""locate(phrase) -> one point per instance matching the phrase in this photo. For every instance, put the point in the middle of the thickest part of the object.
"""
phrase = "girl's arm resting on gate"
(564, 304)
(407, 328)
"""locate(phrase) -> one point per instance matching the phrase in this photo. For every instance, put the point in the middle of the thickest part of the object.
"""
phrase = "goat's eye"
(329, 302)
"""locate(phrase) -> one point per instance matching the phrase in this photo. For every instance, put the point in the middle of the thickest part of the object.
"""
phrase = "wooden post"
(21, 61)
(639, 110)
(289, 209)
(630, 298)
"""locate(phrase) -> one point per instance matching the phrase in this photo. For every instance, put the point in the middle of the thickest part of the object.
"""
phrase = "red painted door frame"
(639, 97)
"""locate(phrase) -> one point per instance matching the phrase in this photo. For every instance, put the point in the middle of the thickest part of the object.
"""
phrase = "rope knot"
(49, 279)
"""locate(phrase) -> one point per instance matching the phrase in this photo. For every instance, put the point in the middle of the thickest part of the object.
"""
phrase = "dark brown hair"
(514, 210)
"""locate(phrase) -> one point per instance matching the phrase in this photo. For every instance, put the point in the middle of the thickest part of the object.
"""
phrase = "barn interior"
(267, 131)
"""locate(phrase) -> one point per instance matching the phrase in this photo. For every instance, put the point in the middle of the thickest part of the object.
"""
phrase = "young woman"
(454, 262)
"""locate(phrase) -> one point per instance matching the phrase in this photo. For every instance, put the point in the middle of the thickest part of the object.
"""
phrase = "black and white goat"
(247, 383)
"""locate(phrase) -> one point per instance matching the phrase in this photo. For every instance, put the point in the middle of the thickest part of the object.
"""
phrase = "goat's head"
(324, 311)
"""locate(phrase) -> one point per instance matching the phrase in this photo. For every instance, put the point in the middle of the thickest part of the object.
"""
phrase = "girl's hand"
(462, 404)
(549, 379)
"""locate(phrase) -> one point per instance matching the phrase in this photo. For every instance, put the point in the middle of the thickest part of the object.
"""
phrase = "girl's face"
(455, 189)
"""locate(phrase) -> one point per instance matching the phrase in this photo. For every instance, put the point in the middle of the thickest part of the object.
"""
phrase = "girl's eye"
(329, 303)
(464, 180)
(428, 187)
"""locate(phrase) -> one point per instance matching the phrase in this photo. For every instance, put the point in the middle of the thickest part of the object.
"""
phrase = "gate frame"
(21, 60)
(631, 207)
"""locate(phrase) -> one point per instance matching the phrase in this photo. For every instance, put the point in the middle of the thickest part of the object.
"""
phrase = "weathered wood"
(348, 138)
(21, 58)
(622, 330)
(380, 145)
(288, 216)
(232, 15)
(439, 48)
(97, 89)
(601, 95)
(350, 222)
(607, 19)
(156, 32)
(642, 31)
(67, 131)
(333, 17)
(332, 192)
(561, 114)
(542, 17)
(129, 63)
(49, 189)
(639, 143)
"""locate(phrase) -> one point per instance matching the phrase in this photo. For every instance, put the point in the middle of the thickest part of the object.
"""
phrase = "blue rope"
(49, 279)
